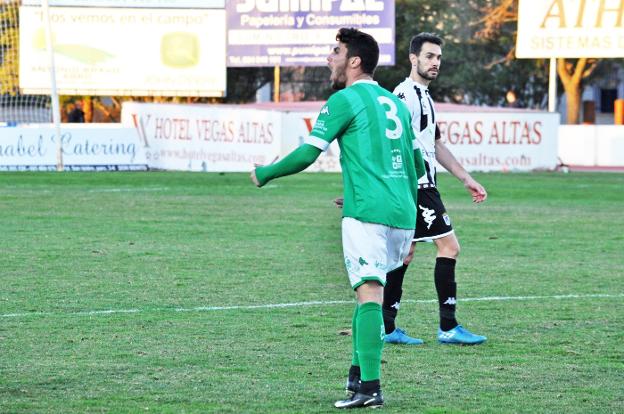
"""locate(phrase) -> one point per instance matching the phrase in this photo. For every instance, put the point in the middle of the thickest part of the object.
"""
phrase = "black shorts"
(432, 222)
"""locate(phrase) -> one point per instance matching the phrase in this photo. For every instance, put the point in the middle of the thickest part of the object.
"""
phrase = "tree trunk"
(571, 76)
(87, 107)
(573, 95)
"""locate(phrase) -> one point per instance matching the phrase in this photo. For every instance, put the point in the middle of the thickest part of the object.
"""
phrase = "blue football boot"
(459, 335)
(398, 336)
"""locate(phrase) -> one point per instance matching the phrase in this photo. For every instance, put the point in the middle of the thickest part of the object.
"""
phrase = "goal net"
(16, 107)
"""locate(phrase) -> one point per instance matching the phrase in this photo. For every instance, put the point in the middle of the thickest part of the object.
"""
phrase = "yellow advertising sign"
(125, 51)
(570, 29)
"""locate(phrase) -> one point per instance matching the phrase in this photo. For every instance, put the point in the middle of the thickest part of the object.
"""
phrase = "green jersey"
(375, 136)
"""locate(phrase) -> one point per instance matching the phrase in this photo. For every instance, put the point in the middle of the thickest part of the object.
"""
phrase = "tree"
(465, 77)
(500, 15)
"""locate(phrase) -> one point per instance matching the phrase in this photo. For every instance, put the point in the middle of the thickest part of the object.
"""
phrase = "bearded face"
(428, 61)
(337, 62)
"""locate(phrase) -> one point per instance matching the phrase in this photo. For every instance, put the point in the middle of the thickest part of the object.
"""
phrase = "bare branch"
(495, 17)
(593, 64)
(578, 70)
(506, 59)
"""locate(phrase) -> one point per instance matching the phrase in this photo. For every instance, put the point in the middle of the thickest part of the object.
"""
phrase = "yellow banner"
(570, 29)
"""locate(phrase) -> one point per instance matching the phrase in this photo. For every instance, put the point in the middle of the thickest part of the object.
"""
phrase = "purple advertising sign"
(302, 32)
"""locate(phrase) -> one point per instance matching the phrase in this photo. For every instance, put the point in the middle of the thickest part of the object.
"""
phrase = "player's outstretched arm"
(296, 161)
(447, 160)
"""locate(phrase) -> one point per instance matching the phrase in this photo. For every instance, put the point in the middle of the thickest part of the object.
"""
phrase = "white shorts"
(372, 250)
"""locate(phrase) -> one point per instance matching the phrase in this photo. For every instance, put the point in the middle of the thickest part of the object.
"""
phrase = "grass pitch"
(158, 292)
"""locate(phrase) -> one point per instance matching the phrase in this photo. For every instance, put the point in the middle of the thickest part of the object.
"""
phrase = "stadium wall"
(592, 145)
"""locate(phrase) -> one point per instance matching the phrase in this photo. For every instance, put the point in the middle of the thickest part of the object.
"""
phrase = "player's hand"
(253, 177)
(476, 190)
(339, 202)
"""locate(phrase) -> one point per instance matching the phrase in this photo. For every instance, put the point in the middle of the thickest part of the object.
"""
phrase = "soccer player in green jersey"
(380, 170)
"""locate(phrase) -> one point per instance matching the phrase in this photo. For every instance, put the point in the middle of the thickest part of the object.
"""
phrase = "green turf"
(162, 245)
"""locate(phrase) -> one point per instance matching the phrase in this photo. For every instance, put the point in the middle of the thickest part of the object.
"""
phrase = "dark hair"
(362, 45)
(418, 40)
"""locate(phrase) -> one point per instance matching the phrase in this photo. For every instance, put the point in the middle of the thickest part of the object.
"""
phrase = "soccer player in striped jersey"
(380, 171)
(433, 223)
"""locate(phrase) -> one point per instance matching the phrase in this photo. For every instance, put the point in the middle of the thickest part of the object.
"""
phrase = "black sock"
(444, 275)
(370, 387)
(354, 372)
(392, 297)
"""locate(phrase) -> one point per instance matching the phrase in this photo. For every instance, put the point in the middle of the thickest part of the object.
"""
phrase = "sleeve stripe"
(317, 142)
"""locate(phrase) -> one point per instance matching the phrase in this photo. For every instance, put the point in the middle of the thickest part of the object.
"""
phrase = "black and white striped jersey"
(420, 105)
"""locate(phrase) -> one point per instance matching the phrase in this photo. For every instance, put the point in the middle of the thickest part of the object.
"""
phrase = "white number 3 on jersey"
(391, 114)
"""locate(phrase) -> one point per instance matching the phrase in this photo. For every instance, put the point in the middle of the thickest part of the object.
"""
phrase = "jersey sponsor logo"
(446, 219)
(325, 110)
(397, 159)
(427, 215)
(450, 301)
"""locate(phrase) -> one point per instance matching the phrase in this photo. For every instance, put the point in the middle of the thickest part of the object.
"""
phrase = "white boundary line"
(300, 304)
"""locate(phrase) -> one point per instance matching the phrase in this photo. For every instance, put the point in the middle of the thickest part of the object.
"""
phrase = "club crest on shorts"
(446, 219)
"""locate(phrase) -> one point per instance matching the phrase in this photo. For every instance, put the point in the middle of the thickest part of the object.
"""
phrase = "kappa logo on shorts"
(446, 219)
(427, 215)
(362, 261)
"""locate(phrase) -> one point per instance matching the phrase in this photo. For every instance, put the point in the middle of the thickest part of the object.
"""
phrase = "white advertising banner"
(481, 141)
(117, 51)
(501, 141)
(204, 137)
(229, 138)
(88, 146)
(296, 127)
(570, 29)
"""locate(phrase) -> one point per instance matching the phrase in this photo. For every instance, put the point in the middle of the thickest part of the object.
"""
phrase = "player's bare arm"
(446, 158)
